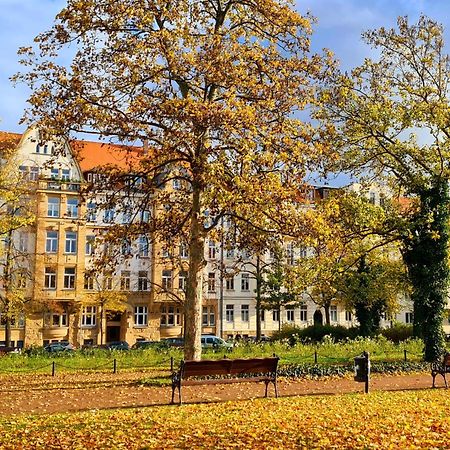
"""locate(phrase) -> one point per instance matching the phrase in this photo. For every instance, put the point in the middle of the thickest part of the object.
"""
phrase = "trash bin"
(362, 367)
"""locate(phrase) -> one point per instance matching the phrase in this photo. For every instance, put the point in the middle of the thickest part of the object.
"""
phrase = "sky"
(338, 28)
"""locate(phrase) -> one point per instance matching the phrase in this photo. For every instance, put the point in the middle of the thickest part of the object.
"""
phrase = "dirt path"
(70, 392)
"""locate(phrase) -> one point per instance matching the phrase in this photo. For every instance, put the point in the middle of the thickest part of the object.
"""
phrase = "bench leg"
(276, 388)
(445, 380)
(267, 385)
(434, 379)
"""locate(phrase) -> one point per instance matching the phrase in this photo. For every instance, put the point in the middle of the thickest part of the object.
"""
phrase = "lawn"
(408, 419)
(326, 352)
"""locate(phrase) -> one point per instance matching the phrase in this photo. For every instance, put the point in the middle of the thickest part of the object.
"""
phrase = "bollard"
(171, 363)
(362, 370)
(115, 366)
(53, 368)
(404, 352)
(315, 356)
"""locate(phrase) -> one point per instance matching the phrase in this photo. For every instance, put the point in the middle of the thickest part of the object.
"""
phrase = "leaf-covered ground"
(397, 420)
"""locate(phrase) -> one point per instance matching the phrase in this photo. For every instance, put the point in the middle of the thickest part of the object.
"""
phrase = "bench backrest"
(228, 367)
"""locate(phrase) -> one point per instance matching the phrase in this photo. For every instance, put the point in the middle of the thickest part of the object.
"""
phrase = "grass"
(381, 420)
(328, 352)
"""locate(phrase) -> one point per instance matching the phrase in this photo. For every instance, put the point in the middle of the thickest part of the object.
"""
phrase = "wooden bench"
(441, 368)
(225, 371)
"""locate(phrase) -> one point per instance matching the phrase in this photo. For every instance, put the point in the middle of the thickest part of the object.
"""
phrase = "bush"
(314, 333)
(398, 333)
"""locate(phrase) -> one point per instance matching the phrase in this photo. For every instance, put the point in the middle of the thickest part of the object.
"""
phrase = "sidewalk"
(69, 396)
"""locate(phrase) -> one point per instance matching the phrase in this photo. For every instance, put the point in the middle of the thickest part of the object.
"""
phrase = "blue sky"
(339, 27)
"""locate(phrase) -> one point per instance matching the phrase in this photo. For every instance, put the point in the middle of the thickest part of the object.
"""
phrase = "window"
(290, 314)
(262, 315)
(230, 253)
(91, 213)
(126, 216)
(290, 254)
(143, 281)
(51, 242)
(53, 205)
(409, 317)
(65, 174)
(90, 242)
(107, 281)
(333, 313)
(56, 320)
(184, 251)
(140, 316)
(54, 173)
(372, 198)
(382, 200)
(212, 250)
(211, 282)
(276, 315)
(302, 252)
(145, 216)
(229, 313)
(245, 283)
(244, 313)
(229, 284)
(167, 279)
(34, 173)
(125, 280)
(88, 282)
(176, 183)
(208, 316)
(303, 312)
(89, 316)
(69, 278)
(170, 316)
(126, 247)
(71, 242)
(72, 207)
(50, 278)
(23, 242)
(348, 316)
(21, 279)
(143, 246)
(182, 280)
(108, 216)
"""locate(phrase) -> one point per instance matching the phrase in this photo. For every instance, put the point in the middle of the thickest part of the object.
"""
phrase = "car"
(215, 342)
(149, 344)
(117, 345)
(62, 346)
(174, 342)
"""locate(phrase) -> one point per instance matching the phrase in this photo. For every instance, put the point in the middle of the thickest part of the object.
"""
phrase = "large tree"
(390, 118)
(209, 88)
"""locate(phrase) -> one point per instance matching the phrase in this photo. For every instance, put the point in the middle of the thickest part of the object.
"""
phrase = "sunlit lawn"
(413, 419)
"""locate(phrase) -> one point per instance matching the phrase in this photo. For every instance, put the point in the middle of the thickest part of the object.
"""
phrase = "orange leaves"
(418, 419)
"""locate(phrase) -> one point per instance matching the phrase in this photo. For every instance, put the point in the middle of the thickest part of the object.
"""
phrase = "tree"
(373, 288)
(275, 288)
(339, 231)
(389, 118)
(208, 89)
(16, 217)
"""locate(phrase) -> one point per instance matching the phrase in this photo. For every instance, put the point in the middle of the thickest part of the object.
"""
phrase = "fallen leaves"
(419, 419)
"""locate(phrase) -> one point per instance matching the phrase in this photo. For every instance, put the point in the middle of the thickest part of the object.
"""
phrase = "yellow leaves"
(378, 420)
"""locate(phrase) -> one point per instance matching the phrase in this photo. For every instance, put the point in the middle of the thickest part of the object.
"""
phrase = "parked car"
(216, 342)
(118, 345)
(149, 344)
(174, 342)
(55, 347)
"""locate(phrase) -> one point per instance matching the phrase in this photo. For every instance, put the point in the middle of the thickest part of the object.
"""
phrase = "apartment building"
(70, 295)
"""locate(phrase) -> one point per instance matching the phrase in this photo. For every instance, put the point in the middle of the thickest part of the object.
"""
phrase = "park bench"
(441, 368)
(226, 370)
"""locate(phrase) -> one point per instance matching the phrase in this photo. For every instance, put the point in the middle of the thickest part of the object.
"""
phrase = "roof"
(89, 155)
(92, 155)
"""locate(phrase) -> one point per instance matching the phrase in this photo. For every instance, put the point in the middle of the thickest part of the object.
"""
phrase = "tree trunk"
(194, 288)
(7, 286)
(426, 255)
(258, 298)
(326, 307)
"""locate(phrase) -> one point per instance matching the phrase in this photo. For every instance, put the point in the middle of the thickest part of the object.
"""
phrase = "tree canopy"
(209, 89)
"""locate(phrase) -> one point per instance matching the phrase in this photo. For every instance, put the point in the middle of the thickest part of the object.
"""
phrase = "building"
(72, 302)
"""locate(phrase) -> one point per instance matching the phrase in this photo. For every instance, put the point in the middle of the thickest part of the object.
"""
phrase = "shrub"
(314, 333)
(398, 333)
